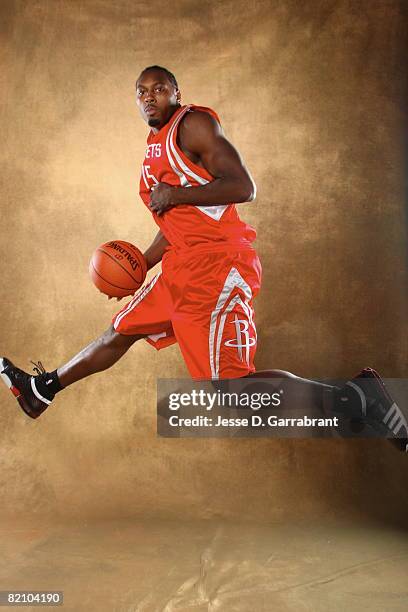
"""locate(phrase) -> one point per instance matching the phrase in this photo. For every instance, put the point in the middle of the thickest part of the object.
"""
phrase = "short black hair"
(169, 74)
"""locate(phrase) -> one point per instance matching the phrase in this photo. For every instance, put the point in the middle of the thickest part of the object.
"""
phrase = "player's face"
(156, 97)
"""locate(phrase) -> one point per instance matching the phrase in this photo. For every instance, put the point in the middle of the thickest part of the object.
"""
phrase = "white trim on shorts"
(138, 297)
(233, 281)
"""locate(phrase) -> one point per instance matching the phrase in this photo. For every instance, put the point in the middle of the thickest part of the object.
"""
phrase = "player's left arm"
(202, 135)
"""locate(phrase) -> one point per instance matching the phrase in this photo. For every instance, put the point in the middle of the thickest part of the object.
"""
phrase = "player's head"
(157, 95)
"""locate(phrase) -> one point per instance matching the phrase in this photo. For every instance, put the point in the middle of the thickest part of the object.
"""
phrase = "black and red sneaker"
(22, 386)
(379, 409)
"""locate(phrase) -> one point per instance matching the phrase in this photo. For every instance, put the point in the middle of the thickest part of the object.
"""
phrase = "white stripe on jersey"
(183, 179)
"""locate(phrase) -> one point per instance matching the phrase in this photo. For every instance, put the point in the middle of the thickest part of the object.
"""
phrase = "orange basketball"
(117, 268)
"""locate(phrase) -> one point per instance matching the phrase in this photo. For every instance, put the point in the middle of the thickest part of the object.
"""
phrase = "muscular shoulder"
(199, 119)
(197, 128)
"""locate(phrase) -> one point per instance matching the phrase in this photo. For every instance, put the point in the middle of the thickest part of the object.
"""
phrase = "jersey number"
(150, 178)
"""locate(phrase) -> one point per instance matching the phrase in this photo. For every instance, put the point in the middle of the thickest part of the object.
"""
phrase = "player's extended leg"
(99, 355)
(145, 316)
(364, 400)
(35, 393)
(298, 388)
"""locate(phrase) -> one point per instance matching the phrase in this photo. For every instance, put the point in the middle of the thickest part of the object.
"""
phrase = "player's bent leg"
(35, 393)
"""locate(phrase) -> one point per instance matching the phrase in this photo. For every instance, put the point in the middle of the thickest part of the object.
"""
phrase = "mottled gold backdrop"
(313, 95)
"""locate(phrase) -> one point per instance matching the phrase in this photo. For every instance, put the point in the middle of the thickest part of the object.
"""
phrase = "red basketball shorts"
(203, 301)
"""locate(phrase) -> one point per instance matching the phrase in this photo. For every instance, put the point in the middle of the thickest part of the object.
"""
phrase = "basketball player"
(191, 180)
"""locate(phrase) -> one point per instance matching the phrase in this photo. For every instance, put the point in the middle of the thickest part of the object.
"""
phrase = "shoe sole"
(7, 381)
(16, 393)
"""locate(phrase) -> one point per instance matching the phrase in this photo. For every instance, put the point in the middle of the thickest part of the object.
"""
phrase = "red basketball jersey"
(187, 226)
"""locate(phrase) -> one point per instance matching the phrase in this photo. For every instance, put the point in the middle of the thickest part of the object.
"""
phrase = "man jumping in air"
(191, 179)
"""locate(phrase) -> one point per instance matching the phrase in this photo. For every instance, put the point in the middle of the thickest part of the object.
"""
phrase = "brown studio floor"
(132, 565)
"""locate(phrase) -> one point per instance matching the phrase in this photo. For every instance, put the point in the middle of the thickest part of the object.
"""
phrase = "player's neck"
(172, 110)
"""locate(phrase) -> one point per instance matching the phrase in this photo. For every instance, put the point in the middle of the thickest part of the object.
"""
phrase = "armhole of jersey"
(187, 162)
(187, 170)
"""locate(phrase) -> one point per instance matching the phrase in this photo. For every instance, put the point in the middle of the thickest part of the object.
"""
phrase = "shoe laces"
(38, 367)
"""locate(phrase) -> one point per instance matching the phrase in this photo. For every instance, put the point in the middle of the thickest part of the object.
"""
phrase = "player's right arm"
(156, 250)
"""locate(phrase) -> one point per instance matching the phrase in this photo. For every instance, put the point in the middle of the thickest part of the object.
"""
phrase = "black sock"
(48, 384)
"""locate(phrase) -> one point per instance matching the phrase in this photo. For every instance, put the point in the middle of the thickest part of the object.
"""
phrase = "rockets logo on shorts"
(243, 339)
(235, 297)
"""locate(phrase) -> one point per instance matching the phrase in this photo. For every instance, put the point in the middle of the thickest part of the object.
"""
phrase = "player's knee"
(281, 374)
(114, 339)
(272, 374)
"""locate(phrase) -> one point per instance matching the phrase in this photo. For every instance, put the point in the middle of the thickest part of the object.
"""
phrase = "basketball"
(117, 268)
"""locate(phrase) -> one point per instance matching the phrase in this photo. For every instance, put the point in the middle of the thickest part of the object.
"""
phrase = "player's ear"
(178, 95)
